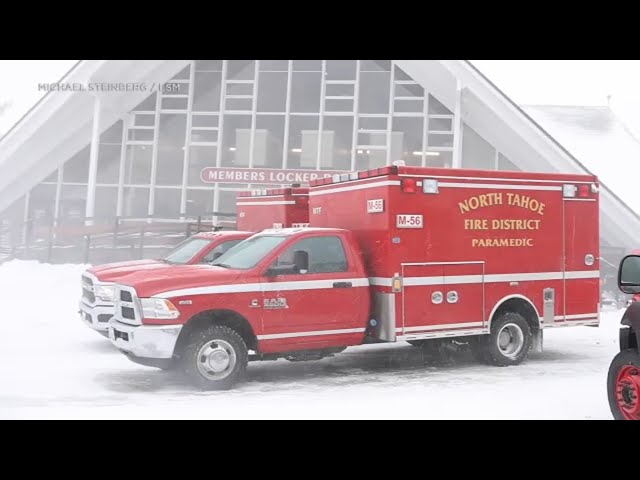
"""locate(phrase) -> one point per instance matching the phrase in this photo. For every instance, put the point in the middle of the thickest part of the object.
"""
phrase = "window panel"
(135, 202)
(268, 141)
(106, 202)
(138, 165)
(307, 65)
(73, 199)
(241, 69)
(336, 154)
(108, 164)
(437, 108)
(305, 92)
(374, 92)
(77, 168)
(303, 142)
(326, 254)
(341, 69)
(206, 93)
(505, 164)
(167, 202)
(274, 65)
(199, 202)
(200, 157)
(208, 65)
(236, 140)
(272, 92)
(406, 140)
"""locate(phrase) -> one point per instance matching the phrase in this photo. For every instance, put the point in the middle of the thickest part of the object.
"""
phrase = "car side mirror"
(216, 256)
(629, 274)
(301, 261)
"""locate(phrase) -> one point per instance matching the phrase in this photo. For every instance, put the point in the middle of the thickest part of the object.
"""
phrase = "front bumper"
(97, 316)
(145, 341)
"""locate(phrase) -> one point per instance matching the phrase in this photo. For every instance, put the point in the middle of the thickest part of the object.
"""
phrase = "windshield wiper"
(223, 265)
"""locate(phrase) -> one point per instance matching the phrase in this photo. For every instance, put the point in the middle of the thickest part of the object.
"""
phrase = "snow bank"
(53, 366)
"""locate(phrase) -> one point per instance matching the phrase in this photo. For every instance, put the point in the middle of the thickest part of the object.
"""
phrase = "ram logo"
(275, 303)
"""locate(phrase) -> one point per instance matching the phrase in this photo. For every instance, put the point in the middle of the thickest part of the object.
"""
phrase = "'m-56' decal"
(409, 221)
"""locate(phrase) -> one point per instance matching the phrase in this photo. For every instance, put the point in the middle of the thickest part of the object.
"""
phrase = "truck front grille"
(127, 306)
(128, 313)
(125, 296)
(87, 289)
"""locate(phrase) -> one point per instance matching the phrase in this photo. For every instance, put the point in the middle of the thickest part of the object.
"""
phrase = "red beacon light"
(409, 185)
(584, 191)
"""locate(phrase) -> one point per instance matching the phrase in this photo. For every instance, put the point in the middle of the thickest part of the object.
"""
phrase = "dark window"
(326, 254)
(219, 250)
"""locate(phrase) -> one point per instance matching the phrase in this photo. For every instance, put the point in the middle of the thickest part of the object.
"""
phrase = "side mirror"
(301, 261)
(216, 256)
(629, 274)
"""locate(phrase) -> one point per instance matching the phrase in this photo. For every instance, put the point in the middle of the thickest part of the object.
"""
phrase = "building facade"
(195, 132)
(287, 115)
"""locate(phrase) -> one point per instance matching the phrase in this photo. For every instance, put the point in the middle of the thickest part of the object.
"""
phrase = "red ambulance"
(392, 254)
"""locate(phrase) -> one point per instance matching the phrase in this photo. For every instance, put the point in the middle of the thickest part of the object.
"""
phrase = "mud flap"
(537, 341)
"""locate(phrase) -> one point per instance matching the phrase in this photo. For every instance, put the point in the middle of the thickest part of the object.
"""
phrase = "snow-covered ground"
(53, 366)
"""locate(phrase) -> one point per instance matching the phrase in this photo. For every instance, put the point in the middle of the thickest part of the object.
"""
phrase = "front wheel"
(623, 385)
(216, 358)
(508, 343)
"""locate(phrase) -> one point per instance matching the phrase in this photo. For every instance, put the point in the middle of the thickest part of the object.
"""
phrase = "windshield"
(247, 254)
(188, 249)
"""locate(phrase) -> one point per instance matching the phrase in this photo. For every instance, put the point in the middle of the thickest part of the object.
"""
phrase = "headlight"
(105, 292)
(158, 308)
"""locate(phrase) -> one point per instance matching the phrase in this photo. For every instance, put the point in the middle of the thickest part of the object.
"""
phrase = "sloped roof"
(600, 140)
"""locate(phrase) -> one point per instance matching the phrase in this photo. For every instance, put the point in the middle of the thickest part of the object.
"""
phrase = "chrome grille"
(127, 306)
(87, 289)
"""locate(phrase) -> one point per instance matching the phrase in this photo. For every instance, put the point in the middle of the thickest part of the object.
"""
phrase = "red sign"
(263, 175)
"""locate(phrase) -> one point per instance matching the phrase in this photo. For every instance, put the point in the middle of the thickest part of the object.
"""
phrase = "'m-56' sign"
(267, 176)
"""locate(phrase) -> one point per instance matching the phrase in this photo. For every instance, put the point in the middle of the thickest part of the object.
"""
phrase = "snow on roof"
(600, 141)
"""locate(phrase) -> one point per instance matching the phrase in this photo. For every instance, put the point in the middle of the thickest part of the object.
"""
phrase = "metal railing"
(103, 239)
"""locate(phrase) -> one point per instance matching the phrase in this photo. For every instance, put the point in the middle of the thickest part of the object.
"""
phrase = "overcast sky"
(527, 82)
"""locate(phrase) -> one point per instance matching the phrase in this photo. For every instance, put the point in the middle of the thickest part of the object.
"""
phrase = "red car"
(97, 302)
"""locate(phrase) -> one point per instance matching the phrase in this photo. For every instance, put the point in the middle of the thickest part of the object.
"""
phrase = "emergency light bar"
(580, 191)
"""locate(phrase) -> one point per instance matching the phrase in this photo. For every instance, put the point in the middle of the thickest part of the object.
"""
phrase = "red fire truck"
(392, 254)
(264, 209)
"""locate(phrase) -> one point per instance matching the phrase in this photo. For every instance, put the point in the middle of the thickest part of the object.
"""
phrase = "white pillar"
(457, 128)
(93, 159)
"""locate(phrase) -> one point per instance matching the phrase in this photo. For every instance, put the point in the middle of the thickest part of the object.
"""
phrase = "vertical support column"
(126, 120)
(287, 115)
(457, 128)
(323, 87)
(154, 155)
(356, 111)
(254, 109)
(223, 96)
(425, 128)
(391, 110)
(93, 160)
(187, 142)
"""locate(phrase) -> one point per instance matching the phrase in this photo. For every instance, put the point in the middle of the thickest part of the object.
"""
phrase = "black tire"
(627, 391)
(226, 342)
(489, 350)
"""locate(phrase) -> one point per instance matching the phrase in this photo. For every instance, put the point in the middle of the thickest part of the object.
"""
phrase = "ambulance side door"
(322, 298)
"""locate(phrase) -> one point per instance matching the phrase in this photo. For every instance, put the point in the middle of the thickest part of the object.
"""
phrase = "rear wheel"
(623, 385)
(508, 343)
(216, 358)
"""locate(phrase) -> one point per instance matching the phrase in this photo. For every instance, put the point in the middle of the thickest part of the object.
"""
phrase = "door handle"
(342, 284)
